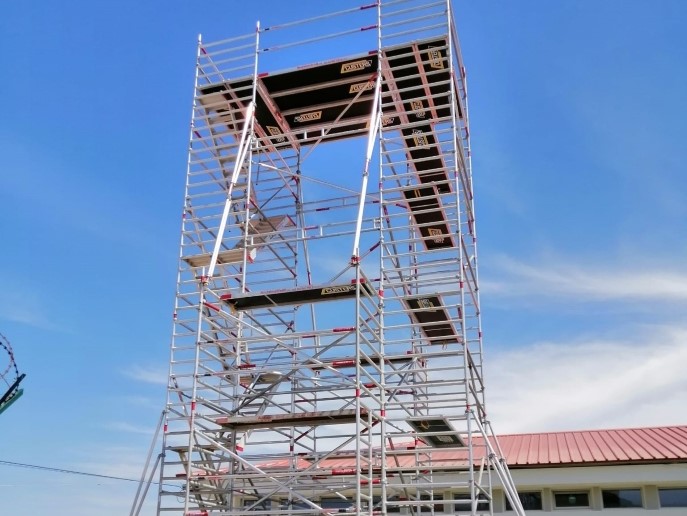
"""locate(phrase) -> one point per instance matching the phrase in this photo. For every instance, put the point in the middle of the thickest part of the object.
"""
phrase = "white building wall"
(627, 475)
(594, 479)
(591, 479)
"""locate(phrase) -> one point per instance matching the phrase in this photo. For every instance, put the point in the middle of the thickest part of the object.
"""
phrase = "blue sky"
(578, 114)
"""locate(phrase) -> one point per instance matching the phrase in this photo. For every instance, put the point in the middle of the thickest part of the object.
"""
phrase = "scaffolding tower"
(327, 347)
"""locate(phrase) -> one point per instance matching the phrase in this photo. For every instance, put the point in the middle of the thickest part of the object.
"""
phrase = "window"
(434, 503)
(394, 507)
(336, 503)
(262, 506)
(615, 498)
(673, 497)
(531, 501)
(462, 502)
(294, 505)
(571, 499)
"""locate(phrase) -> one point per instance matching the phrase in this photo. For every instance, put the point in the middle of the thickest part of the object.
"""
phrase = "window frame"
(569, 492)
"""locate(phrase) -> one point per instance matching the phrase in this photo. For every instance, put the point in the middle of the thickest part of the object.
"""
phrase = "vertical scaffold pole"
(372, 133)
(170, 372)
(380, 307)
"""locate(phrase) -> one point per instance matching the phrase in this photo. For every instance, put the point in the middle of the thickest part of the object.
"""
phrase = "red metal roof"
(656, 444)
(549, 449)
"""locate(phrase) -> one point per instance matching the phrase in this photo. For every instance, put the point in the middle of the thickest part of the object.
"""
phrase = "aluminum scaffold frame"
(327, 344)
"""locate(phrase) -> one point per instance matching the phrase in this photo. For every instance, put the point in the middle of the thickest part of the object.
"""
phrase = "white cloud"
(561, 279)
(590, 383)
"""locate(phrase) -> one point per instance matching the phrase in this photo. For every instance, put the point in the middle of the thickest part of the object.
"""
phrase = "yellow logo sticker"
(436, 60)
(420, 138)
(356, 66)
(337, 290)
(437, 234)
(418, 108)
(425, 303)
(308, 117)
(361, 86)
(275, 131)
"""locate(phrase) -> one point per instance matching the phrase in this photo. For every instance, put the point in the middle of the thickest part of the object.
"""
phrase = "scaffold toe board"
(310, 294)
(433, 319)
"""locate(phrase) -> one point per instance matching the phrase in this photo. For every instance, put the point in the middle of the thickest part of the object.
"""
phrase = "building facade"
(626, 472)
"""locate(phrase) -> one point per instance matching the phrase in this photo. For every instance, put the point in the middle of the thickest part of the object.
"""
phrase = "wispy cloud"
(122, 426)
(156, 375)
(590, 383)
(65, 196)
(116, 461)
(96, 494)
(554, 278)
(140, 401)
(19, 304)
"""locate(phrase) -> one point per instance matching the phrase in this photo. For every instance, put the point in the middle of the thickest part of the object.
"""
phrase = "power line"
(69, 471)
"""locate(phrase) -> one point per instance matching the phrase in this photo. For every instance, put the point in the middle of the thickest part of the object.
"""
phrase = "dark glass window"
(462, 502)
(434, 503)
(673, 497)
(571, 499)
(336, 503)
(262, 506)
(531, 501)
(389, 508)
(393, 500)
(395, 504)
(615, 498)
(294, 504)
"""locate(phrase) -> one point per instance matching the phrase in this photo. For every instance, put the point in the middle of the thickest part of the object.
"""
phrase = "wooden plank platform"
(433, 319)
(326, 417)
(344, 363)
(287, 108)
(260, 231)
(310, 294)
(446, 437)
(429, 215)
